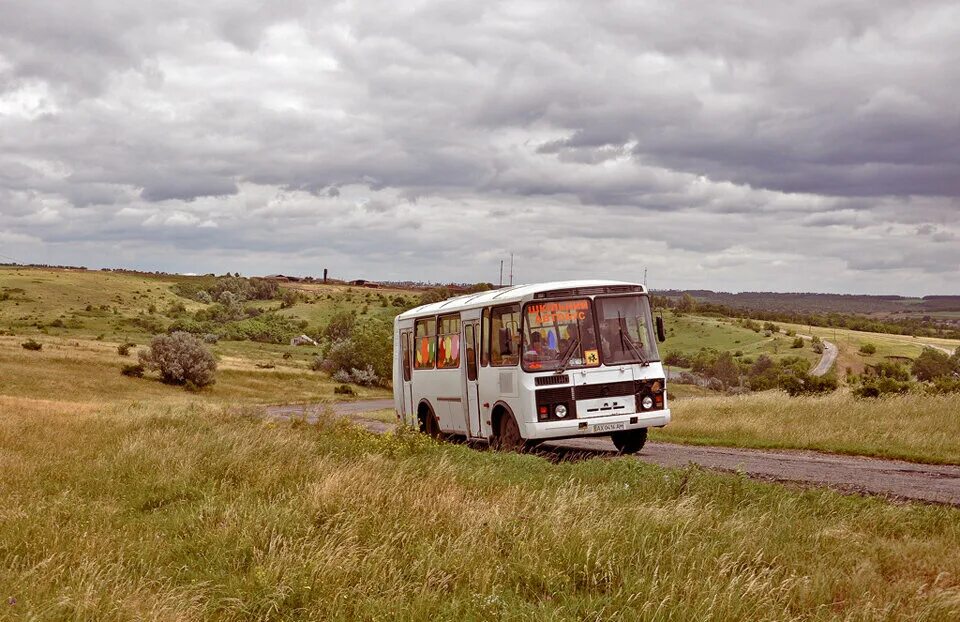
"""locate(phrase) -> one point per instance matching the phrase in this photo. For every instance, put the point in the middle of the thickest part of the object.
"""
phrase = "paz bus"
(524, 364)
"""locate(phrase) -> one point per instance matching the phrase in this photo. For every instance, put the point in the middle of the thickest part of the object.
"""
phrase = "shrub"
(204, 297)
(932, 364)
(180, 358)
(344, 389)
(817, 347)
(30, 344)
(370, 345)
(365, 377)
(888, 369)
(340, 326)
(801, 383)
(341, 375)
(797, 343)
(124, 348)
(134, 370)
(211, 338)
(868, 349)
(882, 385)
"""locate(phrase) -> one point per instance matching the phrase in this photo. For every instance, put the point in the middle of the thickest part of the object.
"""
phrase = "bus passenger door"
(406, 366)
(471, 331)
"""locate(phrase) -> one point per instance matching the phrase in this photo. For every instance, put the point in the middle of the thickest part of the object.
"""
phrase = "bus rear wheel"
(509, 438)
(432, 427)
(630, 441)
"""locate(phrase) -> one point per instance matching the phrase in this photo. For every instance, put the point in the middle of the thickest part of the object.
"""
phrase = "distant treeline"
(919, 327)
(821, 303)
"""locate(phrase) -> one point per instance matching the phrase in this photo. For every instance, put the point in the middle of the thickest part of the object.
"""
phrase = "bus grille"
(610, 389)
(544, 381)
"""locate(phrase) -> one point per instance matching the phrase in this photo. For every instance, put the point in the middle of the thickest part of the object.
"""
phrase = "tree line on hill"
(918, 327)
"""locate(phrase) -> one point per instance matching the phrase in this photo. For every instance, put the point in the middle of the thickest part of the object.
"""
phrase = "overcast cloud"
(810, 146)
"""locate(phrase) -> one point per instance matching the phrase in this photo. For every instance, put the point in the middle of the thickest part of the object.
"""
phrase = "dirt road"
(894, 478)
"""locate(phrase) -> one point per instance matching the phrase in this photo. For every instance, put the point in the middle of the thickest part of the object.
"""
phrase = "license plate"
(609, 427)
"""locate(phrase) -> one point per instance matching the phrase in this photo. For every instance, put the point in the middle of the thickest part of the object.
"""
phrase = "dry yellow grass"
(89, 370)
(921, 428)
(157, 512)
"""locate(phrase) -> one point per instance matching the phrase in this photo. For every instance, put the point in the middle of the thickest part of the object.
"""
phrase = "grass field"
(849, 342)
(687, 334)
(89, 370)
(920, 428)
(160, 512)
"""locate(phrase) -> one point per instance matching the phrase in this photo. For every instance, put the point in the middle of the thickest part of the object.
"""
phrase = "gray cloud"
(781, 146)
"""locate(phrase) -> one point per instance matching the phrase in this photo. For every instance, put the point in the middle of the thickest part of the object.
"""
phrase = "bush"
(817, 347)
(134, 370)
(365, 377)
(124, 348)
(344, 389)
(340, 326)
(797, 343)
(341, 375)
(879, 386)
(932, 364)
(180, 358)
(868, 349)
(30, 344)
(801, 383)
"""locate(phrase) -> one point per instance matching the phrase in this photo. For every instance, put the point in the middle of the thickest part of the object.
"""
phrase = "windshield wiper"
(625, 338)
(567, 355)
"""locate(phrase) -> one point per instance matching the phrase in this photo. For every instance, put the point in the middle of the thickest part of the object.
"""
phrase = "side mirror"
(661, 333)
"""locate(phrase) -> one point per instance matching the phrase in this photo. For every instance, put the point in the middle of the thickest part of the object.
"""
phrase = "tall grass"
(921, 428)
(188, 512)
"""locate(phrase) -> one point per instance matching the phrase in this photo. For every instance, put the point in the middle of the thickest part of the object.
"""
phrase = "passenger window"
(448, 342)
(405, 353)
(470, 343)
(505, 336)
(426, 341)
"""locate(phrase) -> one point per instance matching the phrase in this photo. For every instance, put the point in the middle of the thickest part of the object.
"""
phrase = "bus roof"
(505, 295)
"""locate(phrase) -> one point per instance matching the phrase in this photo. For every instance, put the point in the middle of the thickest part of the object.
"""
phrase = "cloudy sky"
(790, 146)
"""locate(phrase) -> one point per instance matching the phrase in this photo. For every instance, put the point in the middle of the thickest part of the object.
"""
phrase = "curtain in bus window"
(448, 343)
(405, 354)
(426, 341)
(505, 333)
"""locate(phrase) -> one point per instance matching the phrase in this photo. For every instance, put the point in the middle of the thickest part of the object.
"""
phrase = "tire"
(629, 442)
(509, 438)
(432, 426)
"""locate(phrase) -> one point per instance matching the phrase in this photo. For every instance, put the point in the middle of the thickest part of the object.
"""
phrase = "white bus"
(529, 363)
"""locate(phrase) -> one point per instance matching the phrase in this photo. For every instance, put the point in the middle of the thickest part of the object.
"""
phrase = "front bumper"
(588, 427)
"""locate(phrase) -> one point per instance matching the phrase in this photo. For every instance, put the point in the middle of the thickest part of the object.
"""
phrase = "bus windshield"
(626, 330)
(559, 334)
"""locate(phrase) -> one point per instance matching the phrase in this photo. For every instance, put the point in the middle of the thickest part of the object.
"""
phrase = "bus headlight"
(560, 411)
(647, 402)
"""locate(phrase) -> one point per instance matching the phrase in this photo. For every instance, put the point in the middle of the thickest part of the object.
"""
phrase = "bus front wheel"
(630, 441)
(509, 438)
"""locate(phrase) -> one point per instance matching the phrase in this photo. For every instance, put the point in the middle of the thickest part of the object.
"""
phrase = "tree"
(340, 326)
(687, 304)
(932, 364)
(725, 369)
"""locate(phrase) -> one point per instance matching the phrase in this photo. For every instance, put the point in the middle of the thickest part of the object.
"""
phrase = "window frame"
(439, 335)
(596, 332)
(519, 310)
(484, 337)
(429, 321)
(603, 356)
(471, 327)
(407, 364)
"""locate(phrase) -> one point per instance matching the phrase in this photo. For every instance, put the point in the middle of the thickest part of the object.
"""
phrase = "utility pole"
(501, 273)
(644, 277)
(511, 269)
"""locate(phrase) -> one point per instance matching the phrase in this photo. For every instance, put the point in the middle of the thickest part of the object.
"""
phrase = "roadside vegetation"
(192, 512)
(916, 427)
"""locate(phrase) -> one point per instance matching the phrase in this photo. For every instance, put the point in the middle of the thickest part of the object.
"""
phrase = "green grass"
(919, 428)
(687, 334)
(155, 512)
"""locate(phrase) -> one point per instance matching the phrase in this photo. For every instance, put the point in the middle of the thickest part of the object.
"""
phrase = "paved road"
(827, 359)
(894, 478)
